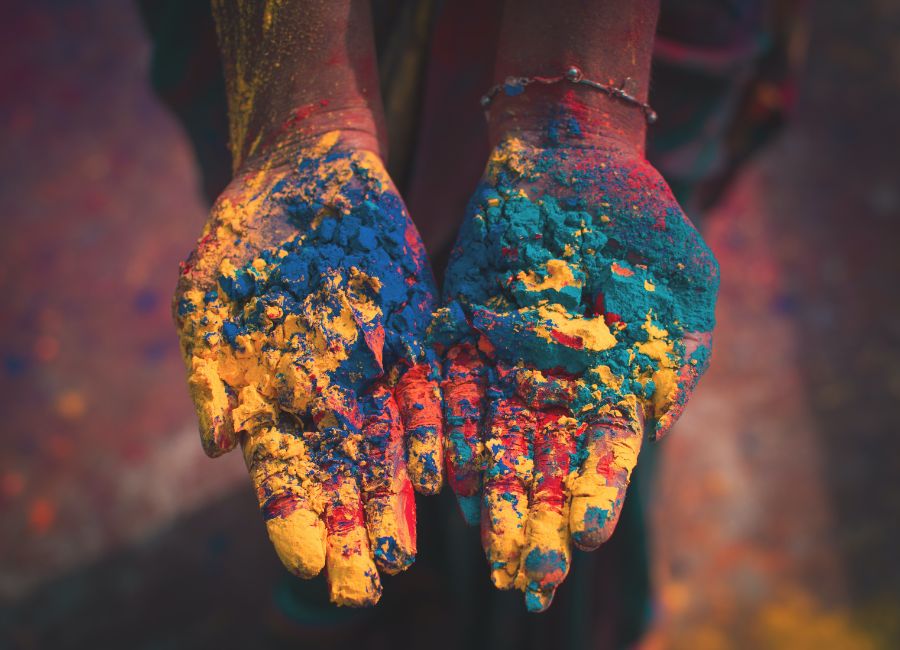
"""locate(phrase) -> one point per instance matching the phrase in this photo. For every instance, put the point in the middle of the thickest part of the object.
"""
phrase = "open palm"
(578, 316)
(302, 315)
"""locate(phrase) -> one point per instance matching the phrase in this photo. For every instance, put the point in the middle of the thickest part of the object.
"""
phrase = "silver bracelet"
(513, 86)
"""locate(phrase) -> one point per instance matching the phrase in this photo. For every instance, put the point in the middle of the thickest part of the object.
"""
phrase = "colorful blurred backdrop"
(776, 505)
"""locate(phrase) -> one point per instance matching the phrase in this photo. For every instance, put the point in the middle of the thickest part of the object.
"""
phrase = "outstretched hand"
(302, 315)
(578, 316)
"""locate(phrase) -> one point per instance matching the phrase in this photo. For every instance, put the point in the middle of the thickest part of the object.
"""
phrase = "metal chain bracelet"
(513, 86)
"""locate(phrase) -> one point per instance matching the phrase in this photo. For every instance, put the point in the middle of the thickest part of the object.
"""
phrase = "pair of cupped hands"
(576, 320)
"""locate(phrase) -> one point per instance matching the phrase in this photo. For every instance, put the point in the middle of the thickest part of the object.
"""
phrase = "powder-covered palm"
(302, 315)
(578, 316)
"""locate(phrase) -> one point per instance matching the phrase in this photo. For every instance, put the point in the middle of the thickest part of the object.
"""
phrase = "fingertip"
(391, 555)
(391, 525)
(592, 521)
(211, 402)
(299, 541)
(598, 491)
(673, 390)
(667, 405)
(353, 580)
(537, 601)
(503, 575)
(503, 517)
(505, 508)
(364, 591)
(656, 429)
(547, 554)
(217, 439)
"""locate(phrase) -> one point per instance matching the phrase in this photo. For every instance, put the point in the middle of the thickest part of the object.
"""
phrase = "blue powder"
(371, 236)
(620, 232)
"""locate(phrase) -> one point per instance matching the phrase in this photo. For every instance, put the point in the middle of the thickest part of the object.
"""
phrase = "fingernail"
(470, 507)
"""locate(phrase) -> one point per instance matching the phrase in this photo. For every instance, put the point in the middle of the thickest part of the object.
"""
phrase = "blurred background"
(775, 508)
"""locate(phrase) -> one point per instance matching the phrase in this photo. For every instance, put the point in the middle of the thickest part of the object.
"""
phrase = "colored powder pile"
(606, 289)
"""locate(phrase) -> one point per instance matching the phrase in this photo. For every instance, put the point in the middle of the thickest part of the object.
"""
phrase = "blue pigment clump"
(633, 258)
(311, 276)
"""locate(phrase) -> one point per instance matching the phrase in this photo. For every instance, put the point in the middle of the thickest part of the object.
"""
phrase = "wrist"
(355, 122)
(563, 115)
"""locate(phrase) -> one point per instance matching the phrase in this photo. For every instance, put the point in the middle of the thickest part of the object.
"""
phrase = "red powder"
(574, 342)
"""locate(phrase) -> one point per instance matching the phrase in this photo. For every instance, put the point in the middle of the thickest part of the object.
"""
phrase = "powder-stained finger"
(505, 508)
(352, 577)
(673, 389)
(353, 580)
(463, 388)
(419, 398)
(390, 505)
(279, 464)
(598, 490)
(547, 554)
(213, 408)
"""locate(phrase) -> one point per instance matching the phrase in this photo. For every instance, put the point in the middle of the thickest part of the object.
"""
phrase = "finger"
(547, 554)
(673, 389)
(279, 465)
(390, 505)
(505, 507)
(213, 407)
(598, 490)
(419, 399)
(352, 577)
(463, 390)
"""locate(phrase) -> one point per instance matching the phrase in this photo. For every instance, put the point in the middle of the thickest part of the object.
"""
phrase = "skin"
(610, 41)
(579, 301)
(302, 310)
(293, 72)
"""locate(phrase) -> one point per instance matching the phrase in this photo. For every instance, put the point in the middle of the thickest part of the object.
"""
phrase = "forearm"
(294, 70)
(610, 40)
